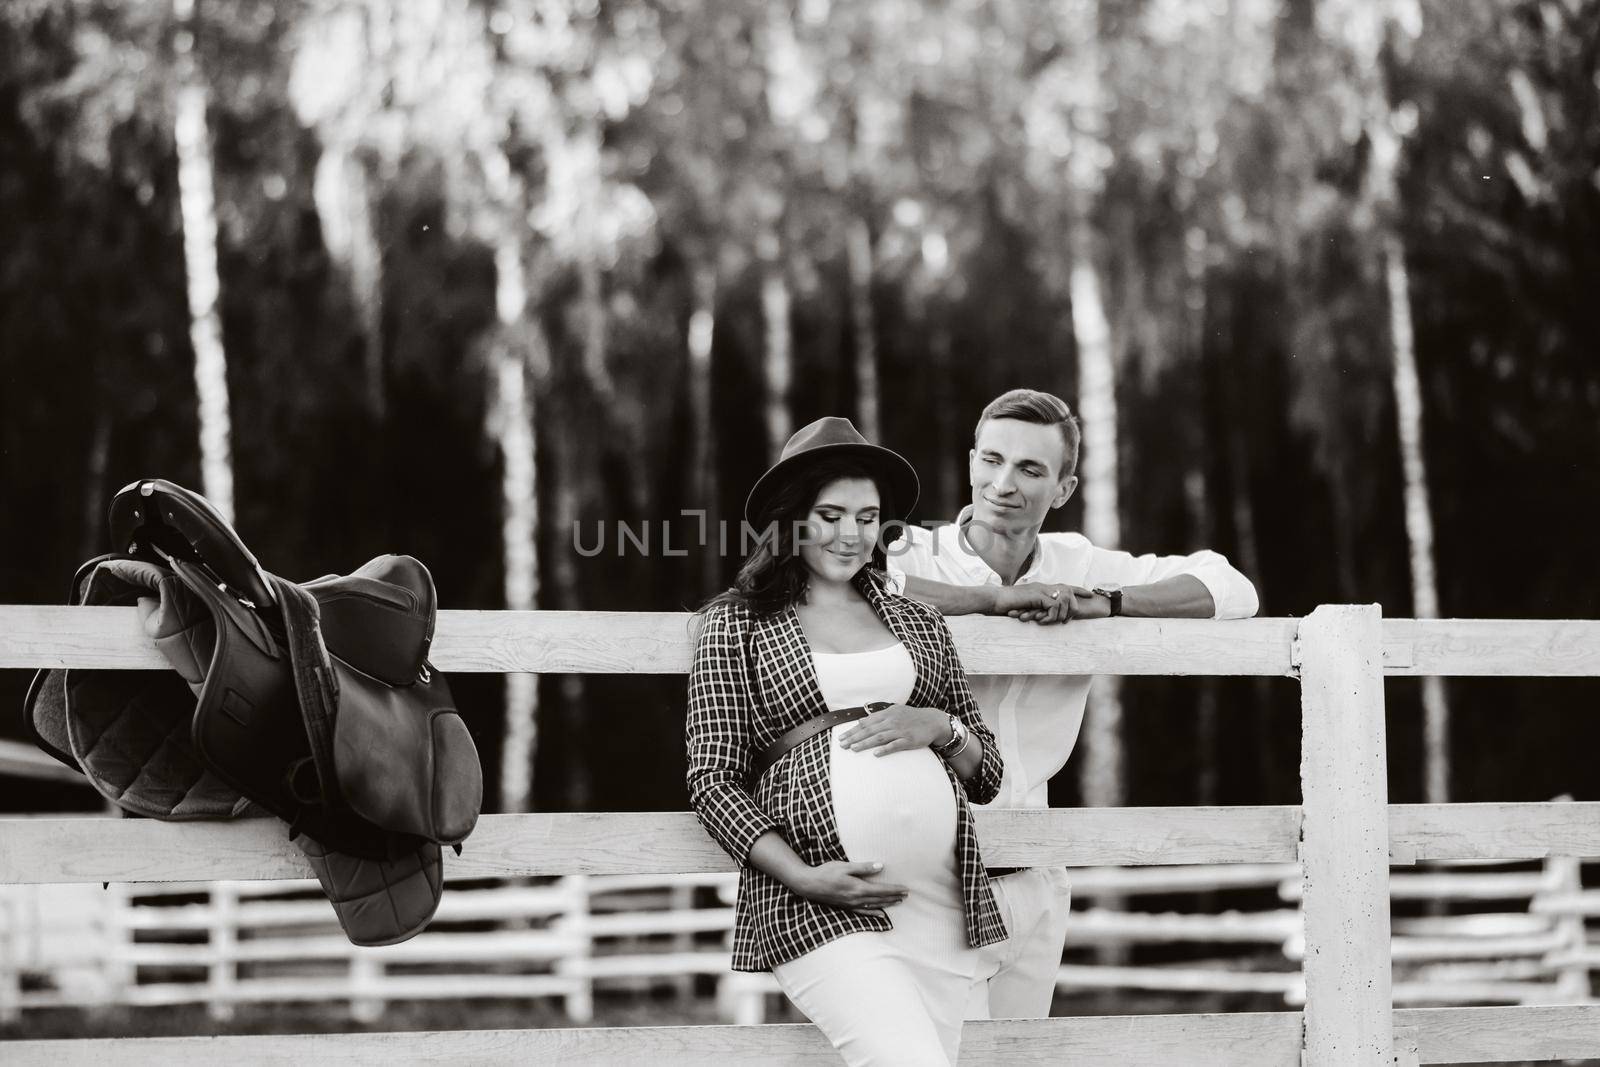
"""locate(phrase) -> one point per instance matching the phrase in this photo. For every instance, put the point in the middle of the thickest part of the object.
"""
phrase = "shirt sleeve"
(983, 786)
(1232, 593)
(911, 555)
(719, 739)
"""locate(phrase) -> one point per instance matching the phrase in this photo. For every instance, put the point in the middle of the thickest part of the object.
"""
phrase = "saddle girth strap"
(316, 686)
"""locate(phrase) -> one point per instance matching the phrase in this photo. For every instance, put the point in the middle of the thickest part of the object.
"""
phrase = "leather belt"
(809, 729)
(1001, 872)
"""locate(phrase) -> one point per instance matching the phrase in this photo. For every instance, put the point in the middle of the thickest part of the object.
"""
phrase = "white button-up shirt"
(1036, 716)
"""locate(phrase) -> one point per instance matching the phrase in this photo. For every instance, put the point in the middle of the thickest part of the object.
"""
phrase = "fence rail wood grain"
(57, 850)
(1442, 1035)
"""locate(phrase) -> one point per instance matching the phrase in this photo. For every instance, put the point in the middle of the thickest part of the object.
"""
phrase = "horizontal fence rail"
(1424, 1035)
(53, 850)
(604, 642)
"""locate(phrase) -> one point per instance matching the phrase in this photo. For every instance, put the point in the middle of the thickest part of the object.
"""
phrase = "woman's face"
(842, 529)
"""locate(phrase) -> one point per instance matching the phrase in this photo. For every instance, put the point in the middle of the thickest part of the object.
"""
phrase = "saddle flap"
(44, 709)
(128, 731)
(405, 759)
(401, 756)
(379, 901)
(380, 618)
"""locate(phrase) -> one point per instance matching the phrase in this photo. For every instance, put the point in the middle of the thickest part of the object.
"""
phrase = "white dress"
(899, 809)
(895, 996)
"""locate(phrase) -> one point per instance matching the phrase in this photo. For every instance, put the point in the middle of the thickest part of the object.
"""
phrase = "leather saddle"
(314, 702)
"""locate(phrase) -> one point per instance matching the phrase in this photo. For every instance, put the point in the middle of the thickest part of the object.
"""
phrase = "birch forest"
(490, 282)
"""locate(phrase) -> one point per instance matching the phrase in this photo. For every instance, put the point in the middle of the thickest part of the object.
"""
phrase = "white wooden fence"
(1344, 834)
(228, 943)
(224, 944)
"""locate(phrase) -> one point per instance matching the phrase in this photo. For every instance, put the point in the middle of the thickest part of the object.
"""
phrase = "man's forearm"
(1183, 596)
(952, 599)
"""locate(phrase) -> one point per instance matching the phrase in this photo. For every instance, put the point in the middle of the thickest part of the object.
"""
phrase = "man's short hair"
(1043, 409)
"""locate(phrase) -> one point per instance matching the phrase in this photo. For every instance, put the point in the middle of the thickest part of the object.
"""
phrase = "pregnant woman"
(833, 744)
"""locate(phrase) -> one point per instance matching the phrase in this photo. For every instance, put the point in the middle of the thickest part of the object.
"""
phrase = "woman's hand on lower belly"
(898, 728)
(848, 885)
(843, 885)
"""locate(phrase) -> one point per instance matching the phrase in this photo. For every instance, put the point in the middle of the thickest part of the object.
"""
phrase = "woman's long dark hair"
(774, 576)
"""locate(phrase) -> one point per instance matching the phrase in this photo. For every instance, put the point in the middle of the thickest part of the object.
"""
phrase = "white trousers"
(1016, 978)
(879, 1005)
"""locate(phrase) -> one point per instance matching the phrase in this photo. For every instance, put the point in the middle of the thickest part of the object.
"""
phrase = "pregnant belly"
(898, 810)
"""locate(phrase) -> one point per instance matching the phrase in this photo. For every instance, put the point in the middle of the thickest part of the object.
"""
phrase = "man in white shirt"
(994, 560)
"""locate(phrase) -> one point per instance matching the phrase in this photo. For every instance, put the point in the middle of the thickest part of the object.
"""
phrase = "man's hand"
(1046, 604)
(849, 885)
(1035, 602)
(898, 728)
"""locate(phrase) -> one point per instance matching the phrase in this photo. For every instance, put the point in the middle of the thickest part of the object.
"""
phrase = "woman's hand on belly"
(898, 728)
(848, 885)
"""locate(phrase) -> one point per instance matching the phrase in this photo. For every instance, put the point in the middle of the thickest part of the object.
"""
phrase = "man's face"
(1017, 474)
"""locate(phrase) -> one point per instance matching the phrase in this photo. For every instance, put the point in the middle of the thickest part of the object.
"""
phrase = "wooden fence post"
(1566, 881)
(223, 940)
(366, 982)
(1344, 838)
(12, 925)
(579, 1001)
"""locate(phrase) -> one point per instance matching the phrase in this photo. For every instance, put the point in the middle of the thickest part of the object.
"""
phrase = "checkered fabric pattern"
(752, 680)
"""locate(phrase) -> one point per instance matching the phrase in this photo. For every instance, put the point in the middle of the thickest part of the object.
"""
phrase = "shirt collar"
(976, 564)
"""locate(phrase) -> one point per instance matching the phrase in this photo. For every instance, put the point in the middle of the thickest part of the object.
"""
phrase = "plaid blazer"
(753, 679)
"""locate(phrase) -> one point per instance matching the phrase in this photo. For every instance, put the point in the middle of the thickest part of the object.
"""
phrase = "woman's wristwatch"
(958, 740)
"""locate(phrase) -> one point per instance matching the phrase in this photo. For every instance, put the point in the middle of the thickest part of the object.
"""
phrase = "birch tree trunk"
(1229, 430)
(1401, 22)
(571, 473)
(949, 476)
(95, 489)
(1102, 767)
(859, 252)
(571, 467)
(1419, 513)
(344, 207)
(513, 427)
(777, 350)
(519, 530)
(704, 485)
(591, 275)
(592, 303)
(197, 205)
(341, 84)
(1197, 493)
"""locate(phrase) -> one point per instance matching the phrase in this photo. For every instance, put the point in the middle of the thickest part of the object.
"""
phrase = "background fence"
(1513, 937)
(1341, 839)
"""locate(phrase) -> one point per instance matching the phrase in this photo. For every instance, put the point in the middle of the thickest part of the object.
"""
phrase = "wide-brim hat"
(834, 437)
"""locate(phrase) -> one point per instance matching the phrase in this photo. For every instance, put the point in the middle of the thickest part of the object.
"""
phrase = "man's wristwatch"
(958, 739)
(1113, 593)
